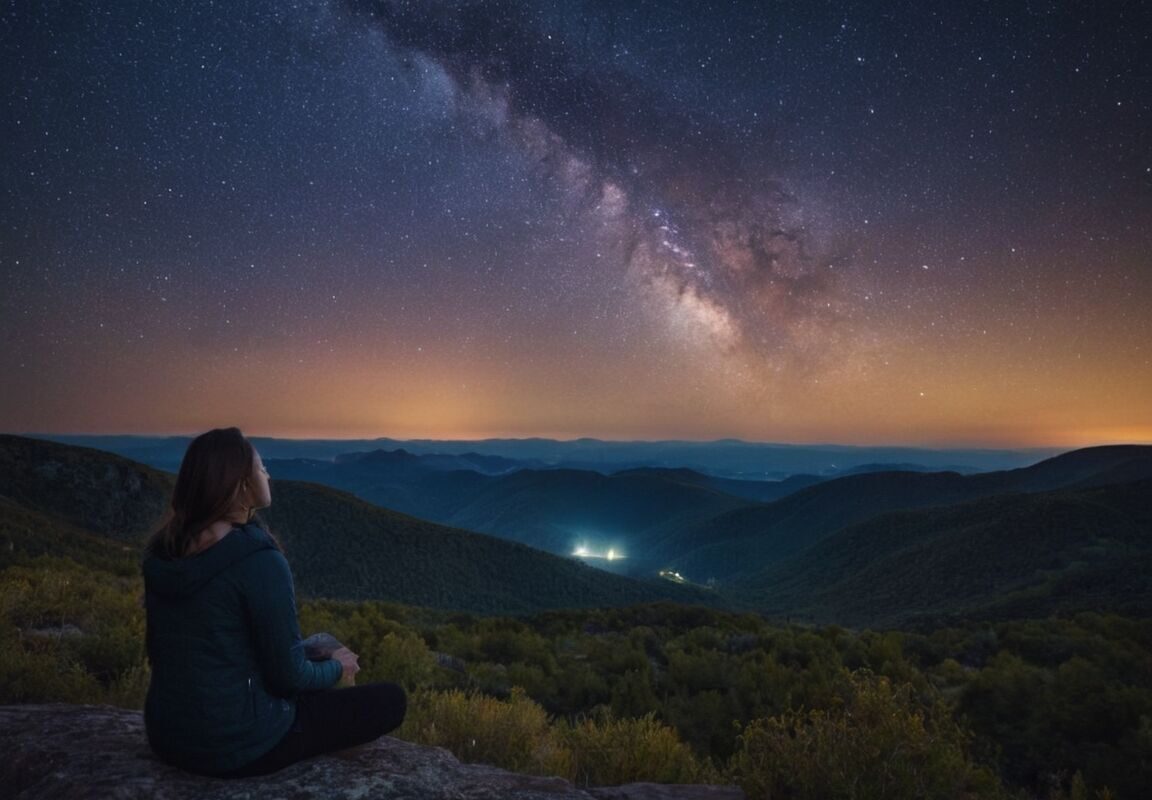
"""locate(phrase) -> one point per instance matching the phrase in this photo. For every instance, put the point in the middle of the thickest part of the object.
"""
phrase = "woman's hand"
(349, 661)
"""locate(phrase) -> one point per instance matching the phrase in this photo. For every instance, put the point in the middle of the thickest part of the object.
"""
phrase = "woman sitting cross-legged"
(232, 693)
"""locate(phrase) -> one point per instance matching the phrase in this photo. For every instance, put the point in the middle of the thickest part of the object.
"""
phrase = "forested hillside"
(708, 529)
(1003, 557)
(58, 497)
(1002, 685)
(343, 547)
(551, 510)
(736, 545)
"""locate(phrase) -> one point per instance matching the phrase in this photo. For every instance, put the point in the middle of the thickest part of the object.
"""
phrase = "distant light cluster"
(608, 554)
(672, 575)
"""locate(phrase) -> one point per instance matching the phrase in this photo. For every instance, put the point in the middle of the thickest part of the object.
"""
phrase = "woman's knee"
(391, 705)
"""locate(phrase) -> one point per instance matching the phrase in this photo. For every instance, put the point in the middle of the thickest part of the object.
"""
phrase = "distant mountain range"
(706, 528)
(554, 510)
(897, 547)
(730, 458)
(735, 545)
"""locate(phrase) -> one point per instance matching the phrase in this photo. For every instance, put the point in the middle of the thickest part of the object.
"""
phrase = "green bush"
(401, 658)
(130, 687)
(881, 743)
(68, 634)
(33, 672)
(1046, 700)
(608, 751)
(515, 734)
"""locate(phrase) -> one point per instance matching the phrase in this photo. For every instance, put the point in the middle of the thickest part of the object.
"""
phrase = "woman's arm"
(271, 607)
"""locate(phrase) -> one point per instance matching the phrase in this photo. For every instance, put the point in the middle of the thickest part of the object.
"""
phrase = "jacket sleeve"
(271, 604)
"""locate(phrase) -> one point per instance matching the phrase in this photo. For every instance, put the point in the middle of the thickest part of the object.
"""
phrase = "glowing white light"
(585, 551)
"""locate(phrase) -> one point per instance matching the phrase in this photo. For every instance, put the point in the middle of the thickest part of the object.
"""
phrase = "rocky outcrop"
(68, 752)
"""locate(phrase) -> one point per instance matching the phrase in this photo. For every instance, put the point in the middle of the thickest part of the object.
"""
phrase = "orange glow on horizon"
(899, 394)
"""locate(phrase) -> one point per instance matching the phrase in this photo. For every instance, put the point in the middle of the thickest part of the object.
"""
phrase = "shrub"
(68, 634)
(609, 751)
(401, 658)
(38, 675)
(130, 688)
(513, 734)
(879, 743)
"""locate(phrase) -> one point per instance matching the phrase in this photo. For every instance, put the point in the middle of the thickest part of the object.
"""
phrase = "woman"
(232, 693)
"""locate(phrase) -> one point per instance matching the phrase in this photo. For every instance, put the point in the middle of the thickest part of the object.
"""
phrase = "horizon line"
(575, 439)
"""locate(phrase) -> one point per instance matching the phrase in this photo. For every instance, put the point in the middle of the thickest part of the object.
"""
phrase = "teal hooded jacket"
(227, 659)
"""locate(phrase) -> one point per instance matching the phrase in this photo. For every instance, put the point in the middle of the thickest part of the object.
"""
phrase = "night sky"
(915, 222)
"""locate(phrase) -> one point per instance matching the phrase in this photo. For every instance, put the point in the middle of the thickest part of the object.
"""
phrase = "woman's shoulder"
(264, 552)
(254, 532)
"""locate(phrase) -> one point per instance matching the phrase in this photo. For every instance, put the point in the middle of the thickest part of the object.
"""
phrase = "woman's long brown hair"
(214, 467)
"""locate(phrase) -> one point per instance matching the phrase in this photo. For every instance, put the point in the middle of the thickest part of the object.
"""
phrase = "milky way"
(723, 250)
(927, 223)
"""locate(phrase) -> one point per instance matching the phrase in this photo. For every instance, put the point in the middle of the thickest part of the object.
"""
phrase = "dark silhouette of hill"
(759, 491)
(341, 546)
(1016, 555)
(743, 540)
(63, 499)
(91, 489)
(402, 459)
(703, 526)
(650, 513)
(739, 542)
(1089, 466)
(27, 535)
(396, 479)
(69, 501)
(552, 509)
(903, 467)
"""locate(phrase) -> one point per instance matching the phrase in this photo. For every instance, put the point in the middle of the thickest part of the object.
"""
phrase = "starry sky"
(911, 222)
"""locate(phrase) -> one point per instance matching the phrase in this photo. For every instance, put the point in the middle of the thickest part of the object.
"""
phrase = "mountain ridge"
(973, 559)
(61, 499)
(813, 552)
(723, 458)
(757, 535)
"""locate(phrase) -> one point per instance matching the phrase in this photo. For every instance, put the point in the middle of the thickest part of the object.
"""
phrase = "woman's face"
(259, 491)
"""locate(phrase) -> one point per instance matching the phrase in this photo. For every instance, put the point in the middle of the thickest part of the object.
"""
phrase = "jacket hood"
(182, 577)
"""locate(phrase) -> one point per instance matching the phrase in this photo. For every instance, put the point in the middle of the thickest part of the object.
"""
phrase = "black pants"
(334, 719)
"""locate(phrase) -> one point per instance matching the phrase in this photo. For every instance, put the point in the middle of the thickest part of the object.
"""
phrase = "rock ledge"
(68, 752)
